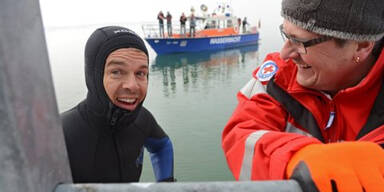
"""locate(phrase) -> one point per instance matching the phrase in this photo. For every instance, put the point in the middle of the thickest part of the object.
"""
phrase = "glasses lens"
(283, 35)
(300, 48)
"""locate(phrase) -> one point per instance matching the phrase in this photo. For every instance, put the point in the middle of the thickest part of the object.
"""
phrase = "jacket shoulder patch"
(267, 70)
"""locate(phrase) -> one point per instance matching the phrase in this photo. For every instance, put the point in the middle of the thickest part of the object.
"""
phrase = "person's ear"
(364, 49)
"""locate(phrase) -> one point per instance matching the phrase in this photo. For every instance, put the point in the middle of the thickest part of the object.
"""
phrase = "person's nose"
(130, 83)
(288, 51)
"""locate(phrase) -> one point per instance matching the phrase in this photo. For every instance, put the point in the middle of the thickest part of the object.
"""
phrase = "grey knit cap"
(359, 20)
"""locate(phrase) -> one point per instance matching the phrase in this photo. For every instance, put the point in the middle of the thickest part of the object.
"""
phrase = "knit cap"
(360, 20)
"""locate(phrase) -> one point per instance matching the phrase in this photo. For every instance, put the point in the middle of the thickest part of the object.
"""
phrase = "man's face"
(125, 77)
(325, 66)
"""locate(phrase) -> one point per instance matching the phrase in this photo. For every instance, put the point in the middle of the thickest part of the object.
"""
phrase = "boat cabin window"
(221, 24)
(229, 23)
(213, 24)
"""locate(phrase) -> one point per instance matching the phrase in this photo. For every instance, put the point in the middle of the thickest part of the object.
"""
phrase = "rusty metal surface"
(32, 151)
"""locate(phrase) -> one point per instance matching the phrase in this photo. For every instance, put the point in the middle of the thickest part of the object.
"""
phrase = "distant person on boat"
(161, 18)
(245, 23)
(239, 23)
(192, 25)
(183, 20)
(169, 24)
(314, 112)
(107, 132)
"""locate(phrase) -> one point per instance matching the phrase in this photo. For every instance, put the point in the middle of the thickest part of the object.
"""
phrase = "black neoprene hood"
(100, 44)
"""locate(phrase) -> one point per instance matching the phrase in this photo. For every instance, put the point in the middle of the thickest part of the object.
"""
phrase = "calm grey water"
(191, 95)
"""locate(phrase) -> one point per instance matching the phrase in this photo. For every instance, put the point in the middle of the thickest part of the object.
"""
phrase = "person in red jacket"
(315, 111)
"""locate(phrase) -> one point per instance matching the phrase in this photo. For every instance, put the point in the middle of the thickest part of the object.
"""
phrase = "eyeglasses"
(302, 45)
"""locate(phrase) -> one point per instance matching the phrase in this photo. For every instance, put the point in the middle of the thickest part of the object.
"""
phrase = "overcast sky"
(57, 13)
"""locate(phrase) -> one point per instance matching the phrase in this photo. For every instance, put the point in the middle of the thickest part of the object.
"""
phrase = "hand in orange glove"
(346, 166)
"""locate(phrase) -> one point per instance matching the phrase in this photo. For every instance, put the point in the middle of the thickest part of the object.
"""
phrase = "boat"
(216, 31)
(206, 58)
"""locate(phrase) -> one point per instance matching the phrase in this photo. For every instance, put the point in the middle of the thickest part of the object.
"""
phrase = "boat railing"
(152, 30)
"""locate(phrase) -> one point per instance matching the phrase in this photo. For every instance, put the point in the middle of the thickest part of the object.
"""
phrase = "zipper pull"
(330, 120)
(114, 118)
(113, 115)
(331, 115)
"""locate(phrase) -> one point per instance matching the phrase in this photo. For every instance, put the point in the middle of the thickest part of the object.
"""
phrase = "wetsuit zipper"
(114, 118)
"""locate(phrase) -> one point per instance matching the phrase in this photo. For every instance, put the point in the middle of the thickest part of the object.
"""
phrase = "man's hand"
(346, 166)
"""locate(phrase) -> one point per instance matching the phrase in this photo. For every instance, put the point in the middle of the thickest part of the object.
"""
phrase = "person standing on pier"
(106, 133)
(315, 111)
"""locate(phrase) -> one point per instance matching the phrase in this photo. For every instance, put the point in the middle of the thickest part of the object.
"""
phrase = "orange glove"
(346, 166)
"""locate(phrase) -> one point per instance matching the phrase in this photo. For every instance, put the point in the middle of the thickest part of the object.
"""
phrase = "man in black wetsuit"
(105, 134)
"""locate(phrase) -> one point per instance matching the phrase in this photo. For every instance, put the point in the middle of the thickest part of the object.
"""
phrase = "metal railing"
(256, 186)
(152, 30)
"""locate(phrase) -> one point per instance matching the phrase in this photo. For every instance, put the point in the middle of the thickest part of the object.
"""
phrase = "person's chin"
(306, 79)
(304, 82)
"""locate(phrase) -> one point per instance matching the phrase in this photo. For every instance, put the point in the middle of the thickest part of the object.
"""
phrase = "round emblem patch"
(266, 70)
